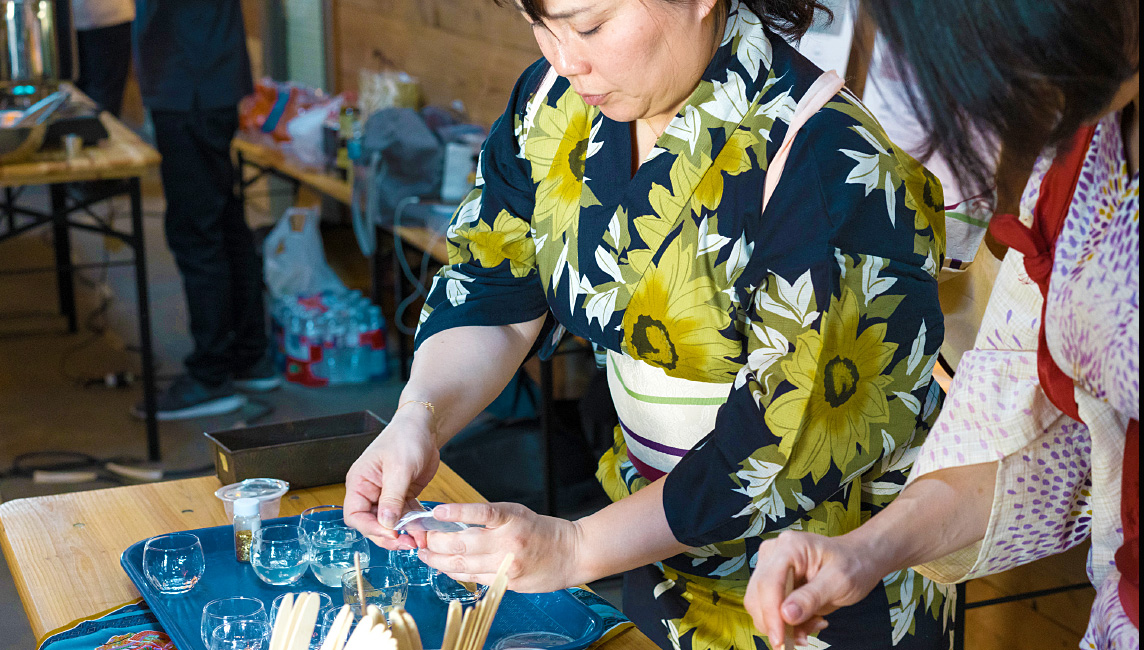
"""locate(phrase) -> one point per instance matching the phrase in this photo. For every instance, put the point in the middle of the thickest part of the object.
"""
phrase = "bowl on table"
(18, 143)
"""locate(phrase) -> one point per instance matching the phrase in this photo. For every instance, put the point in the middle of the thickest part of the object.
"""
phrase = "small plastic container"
(268, 491)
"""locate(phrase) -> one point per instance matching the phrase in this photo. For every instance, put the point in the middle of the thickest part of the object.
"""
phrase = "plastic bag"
(294, 262)
(272, 105)
(306, 132)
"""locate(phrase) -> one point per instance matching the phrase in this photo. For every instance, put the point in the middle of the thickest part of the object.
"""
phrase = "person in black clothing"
(193, 69)
(103, 41)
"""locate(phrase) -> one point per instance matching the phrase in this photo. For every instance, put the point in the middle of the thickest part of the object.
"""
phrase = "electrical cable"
(418, 281)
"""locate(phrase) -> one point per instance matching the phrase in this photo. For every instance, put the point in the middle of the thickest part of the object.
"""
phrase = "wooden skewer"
(788, 631)
(360, 584)
(452, 625)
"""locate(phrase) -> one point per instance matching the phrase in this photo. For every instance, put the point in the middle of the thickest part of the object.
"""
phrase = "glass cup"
(225, 612)
(173, 563)
(314, 519)
(414, 569)
(332, 552)
(383, 586)
(449, 589)
(326, 621)
(280, 554)
(241, 635)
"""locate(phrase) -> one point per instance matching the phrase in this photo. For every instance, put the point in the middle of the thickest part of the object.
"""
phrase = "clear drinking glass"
(280, 554)
(225, 612)
(319, 517)
(173, 563)
(332, 550)
(241, 635)
(326, 620)
(383, 586)
(412, 566)
(449, 589)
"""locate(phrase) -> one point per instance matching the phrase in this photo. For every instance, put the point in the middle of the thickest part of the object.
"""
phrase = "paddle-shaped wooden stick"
(452, 625)
(281, 622)
(788, 631)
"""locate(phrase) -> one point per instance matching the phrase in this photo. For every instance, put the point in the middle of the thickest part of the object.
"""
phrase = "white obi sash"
(661, 417)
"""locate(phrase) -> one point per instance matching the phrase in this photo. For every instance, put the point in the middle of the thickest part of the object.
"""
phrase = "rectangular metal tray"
(558, 612)
(304, 453)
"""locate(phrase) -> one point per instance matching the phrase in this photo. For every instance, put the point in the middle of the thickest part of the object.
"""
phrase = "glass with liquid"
(332, 550)
(280, 555)
(383, 586)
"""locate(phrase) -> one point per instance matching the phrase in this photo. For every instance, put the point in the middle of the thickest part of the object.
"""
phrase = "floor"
(50, 400)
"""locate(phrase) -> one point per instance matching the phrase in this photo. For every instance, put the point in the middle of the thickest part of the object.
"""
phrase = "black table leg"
(65, 284)
(144, 308)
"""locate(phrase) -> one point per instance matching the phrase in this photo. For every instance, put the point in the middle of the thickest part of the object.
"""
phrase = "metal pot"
(37, 40)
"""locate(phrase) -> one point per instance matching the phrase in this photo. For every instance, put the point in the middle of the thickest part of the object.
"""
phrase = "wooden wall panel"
(472, 50)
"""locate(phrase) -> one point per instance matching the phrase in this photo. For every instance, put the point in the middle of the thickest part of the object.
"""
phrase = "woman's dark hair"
(1017, 74)
(791, 18)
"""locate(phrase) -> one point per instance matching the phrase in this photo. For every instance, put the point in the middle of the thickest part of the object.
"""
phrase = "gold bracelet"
(428, 405)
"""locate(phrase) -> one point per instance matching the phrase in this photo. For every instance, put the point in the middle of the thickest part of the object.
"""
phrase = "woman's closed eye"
(590, 31)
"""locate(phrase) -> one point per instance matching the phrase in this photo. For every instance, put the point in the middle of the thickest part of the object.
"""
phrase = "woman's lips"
(594, 100)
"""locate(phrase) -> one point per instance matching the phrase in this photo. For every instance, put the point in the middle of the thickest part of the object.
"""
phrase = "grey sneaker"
(188, 398)
(259, 378)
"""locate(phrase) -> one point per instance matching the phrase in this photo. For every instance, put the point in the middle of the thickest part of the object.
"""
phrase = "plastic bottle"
(246, 521)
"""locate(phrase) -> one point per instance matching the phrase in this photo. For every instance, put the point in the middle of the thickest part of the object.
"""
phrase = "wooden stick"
(376, 616)
(411, 630)
(494, 596)
(304, 615)
(281, 622)
(788, 631)
(360, 586)
(452, 625)
(399, 629)
(466, 629)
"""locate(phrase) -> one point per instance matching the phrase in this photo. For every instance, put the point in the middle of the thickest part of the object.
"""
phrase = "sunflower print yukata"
(799, 342)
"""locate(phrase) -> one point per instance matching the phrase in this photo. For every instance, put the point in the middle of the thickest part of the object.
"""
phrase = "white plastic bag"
(293, 260)
(306, 132)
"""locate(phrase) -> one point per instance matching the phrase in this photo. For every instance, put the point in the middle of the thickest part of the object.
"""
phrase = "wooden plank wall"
(472, 50)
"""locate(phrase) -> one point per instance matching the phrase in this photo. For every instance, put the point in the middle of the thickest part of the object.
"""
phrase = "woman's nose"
(569, 61)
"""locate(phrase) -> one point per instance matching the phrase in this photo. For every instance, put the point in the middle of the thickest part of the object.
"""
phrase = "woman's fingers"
(489, 515)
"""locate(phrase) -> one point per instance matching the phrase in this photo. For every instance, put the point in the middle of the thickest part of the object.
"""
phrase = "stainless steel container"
(37, 40)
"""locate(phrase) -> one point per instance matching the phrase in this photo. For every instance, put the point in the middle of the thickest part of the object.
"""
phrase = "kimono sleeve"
(842, 327)
(492, 278)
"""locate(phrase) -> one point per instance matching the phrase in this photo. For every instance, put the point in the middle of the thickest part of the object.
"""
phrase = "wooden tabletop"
(121, 155)
(270, 156)
(63, 550)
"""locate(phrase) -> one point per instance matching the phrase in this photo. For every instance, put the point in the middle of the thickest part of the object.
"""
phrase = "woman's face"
(635, 59)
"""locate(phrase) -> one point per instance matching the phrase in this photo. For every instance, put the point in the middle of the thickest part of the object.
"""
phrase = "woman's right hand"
(385, 481)
(829, 572)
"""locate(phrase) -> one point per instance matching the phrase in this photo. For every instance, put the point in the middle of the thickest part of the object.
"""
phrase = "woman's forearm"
(939, 513)
(628, 534)
(462, 370)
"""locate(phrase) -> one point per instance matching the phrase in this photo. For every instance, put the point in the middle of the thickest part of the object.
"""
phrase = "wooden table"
(122, 158)
(64, 550)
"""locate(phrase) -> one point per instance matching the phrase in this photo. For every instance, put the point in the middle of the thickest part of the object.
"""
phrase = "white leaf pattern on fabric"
(739, 256)
(686, 128)
(468, 213)
(867, 172)
(531, 109)
(754, 50)
(772, 347)
(891, 202)
(602, 306)
(793, 300)
(730, 103)
(608, 264)
(662, 587)
(614, 231)
(730, 566)
(910, 401)
(918, 351)
(709, 243)
(594, 145)
(558, 270)
(782, 107)
(873, 285)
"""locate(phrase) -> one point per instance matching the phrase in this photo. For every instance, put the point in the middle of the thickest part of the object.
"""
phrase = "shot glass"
(226, 612)
(324, 603)
(173, 563)
(383, 586)
(319, 517)
(332, 552)
(449, 589)
(280, 554)
(414, 569)
(241, 635)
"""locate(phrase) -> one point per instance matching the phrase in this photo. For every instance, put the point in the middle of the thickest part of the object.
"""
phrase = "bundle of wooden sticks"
(464, 629)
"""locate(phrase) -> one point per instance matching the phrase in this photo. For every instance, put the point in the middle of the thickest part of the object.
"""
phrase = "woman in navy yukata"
(771, 368)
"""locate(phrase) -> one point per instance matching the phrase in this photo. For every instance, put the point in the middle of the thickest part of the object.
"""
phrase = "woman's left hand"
(546, 549)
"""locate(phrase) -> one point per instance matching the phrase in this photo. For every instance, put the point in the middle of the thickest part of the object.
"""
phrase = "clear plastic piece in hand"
(424, 521)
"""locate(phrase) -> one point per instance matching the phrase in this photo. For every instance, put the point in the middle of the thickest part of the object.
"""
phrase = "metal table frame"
(19, 220)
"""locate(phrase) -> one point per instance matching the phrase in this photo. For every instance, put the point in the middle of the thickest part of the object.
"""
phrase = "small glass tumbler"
(241, 635)
(383, 586)
(280, 554)
(173, 563)
(332, 552)
(417, 571)
(449, 589)
(226, 612)
(314, 519)
(326, 621)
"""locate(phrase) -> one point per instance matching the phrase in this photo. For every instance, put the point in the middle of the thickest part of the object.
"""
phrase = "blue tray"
(558, 612)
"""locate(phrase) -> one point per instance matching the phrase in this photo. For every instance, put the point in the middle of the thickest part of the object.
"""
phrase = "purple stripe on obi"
(651, 444)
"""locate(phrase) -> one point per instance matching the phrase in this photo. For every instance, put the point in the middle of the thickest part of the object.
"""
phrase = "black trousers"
(104, 60)
(212, 245)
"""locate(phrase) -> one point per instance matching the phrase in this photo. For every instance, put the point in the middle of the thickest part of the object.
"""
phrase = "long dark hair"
(791, 18)
(1020, 74)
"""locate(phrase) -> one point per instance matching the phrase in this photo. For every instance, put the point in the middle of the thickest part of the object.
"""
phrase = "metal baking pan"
(305, 453)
